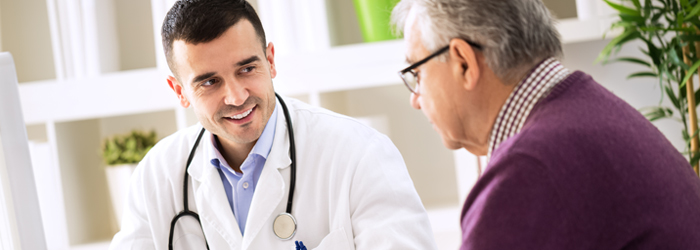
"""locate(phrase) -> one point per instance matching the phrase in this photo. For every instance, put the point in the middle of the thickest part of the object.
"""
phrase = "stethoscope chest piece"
(284, 226)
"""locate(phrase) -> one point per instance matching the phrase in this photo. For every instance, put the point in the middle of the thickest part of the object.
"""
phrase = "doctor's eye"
(247, 69)
(210, 82)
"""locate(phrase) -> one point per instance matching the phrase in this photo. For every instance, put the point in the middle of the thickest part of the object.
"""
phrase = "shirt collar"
(535, 86)
(262, 146)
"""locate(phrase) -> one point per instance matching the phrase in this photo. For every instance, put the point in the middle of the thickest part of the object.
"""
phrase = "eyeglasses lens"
(410, 80)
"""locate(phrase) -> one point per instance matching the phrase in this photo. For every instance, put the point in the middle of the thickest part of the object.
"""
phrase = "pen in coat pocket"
(300, 245)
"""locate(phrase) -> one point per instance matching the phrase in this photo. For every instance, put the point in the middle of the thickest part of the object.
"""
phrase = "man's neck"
(493, 95)
(234, 154)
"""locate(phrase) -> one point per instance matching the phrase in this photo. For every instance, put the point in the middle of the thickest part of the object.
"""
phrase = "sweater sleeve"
(515, 206)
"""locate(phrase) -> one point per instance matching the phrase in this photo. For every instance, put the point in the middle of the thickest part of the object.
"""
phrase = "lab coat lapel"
(271, 189)
(210, 197)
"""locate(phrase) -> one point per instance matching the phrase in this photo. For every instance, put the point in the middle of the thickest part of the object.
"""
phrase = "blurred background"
(92, 69)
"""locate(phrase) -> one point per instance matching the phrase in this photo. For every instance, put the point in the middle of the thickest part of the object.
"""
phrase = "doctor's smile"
(241, 118)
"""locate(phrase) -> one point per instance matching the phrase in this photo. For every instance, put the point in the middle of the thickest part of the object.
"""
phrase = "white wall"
(83, 178)
(118, 125)
(343, 25)
(562, 8)
(135, 34)
(30, 47)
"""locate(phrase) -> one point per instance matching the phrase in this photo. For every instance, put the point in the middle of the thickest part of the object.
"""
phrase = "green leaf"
(671, 95)
(690, 73)
(684, 3)
(673, 55)
(674, 7)
(697, 97)
(639, 20)
(628, 35)
(694, 160)
(643, 74)
(690, 37)
(694, 12)
(665, 69)
(656, 113)
(654, 52)
(129, 148)
(695, 22)
(631, 60)
(623, 24)
(656, 17)
(636, 4)
(622, 9)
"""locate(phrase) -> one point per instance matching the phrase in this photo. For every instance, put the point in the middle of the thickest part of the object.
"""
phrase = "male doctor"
(351, 188)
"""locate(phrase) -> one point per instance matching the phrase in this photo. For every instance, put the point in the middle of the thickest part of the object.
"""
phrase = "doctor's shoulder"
(324, 124)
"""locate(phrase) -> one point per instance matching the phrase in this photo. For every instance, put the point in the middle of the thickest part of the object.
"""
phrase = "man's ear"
(270, 51)
(464, 64)
(177, 87)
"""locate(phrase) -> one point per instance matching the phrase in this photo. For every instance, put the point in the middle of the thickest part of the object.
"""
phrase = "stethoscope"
(285, 225)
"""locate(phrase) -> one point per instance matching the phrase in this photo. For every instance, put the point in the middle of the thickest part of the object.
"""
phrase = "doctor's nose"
(235, 94)
(414, 101)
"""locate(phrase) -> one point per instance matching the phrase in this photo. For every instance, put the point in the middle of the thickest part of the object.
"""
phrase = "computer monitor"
(20, 216)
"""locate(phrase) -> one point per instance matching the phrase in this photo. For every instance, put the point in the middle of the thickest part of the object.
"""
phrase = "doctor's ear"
(177, 87)
(270, 53)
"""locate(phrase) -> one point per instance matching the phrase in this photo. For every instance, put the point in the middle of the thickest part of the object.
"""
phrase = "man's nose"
(236, 94)
(414, 101)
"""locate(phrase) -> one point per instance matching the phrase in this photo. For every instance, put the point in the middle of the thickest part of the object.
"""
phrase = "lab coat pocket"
(336, 240)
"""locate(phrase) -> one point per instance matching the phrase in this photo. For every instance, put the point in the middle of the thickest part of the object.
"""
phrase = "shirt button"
(245, 185)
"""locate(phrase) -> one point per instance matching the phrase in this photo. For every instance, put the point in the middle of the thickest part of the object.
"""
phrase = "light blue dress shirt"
(241, 186)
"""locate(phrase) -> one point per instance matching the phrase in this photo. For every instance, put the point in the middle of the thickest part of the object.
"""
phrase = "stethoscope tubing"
(292, 155)
(292, 178)
(185, 199)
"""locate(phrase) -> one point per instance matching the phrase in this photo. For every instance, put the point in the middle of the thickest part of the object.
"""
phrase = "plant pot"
(374, 17)
(118, 180)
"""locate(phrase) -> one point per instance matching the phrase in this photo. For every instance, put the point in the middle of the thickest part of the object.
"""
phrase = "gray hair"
(515, 34)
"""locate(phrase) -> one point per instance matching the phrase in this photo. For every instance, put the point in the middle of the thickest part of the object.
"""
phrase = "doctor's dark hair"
(201, 21)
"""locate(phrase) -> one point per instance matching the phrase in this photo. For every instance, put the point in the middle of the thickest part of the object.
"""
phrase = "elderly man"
(571, 166)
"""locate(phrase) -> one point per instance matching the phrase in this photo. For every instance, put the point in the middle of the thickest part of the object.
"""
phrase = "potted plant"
(121, 154)
(669, 31)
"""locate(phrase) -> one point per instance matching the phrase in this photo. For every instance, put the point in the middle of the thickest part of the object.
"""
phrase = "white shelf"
(341, 68)
(376, 64)
(127, 92)
(574, 30)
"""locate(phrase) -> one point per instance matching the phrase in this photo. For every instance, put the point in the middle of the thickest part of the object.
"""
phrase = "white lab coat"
(352, 192)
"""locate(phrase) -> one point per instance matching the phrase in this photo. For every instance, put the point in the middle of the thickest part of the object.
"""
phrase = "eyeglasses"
(410, 77)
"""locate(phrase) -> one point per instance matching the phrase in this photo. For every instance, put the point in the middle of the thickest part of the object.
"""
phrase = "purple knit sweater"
(587, 171)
